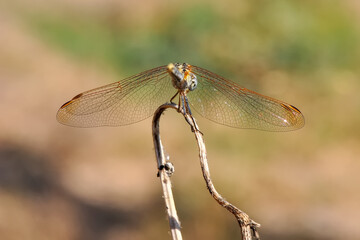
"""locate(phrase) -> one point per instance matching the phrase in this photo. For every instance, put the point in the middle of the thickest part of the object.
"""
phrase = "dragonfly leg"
(171, 100)
(188, 111)
(182, 104)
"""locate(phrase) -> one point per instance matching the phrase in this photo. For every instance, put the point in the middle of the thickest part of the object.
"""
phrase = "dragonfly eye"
(193, 83)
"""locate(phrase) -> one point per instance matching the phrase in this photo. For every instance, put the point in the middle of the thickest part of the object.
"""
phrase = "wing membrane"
(225, 102)
(128, 101)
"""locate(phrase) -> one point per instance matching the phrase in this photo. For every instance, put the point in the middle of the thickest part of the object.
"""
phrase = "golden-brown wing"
(225, 102)
(127, 101)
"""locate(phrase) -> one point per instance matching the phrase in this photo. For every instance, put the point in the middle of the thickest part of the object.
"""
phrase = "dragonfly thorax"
(182, 78)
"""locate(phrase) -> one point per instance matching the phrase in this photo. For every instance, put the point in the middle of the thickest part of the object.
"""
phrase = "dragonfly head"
(182, 78)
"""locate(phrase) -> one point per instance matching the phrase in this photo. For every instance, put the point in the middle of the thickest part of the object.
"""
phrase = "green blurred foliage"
(290, 35)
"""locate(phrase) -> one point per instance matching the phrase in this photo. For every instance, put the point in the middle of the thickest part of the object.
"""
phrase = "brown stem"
(248, 226)
(164, 175)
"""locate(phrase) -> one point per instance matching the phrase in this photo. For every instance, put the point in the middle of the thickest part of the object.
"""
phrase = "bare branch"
(164, 175)
(248, 226)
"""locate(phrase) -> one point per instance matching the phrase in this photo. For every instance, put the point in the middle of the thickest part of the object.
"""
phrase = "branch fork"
(165, 170)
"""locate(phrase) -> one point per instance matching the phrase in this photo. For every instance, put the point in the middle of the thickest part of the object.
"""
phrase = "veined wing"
(127, 101)
(225, 102)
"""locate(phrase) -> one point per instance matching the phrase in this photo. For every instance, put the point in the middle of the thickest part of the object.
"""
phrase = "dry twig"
(248, 226)
(165, 175)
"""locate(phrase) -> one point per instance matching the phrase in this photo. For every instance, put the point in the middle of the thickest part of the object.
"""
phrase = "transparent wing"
(225, 102)
(127, 101)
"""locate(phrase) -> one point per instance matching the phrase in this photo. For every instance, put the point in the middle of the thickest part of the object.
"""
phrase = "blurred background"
(58, 182)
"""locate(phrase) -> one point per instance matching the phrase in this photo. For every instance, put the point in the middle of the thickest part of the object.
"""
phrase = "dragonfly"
(136, 98)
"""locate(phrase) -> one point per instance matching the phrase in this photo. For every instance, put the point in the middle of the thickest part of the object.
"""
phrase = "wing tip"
(72, 100)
